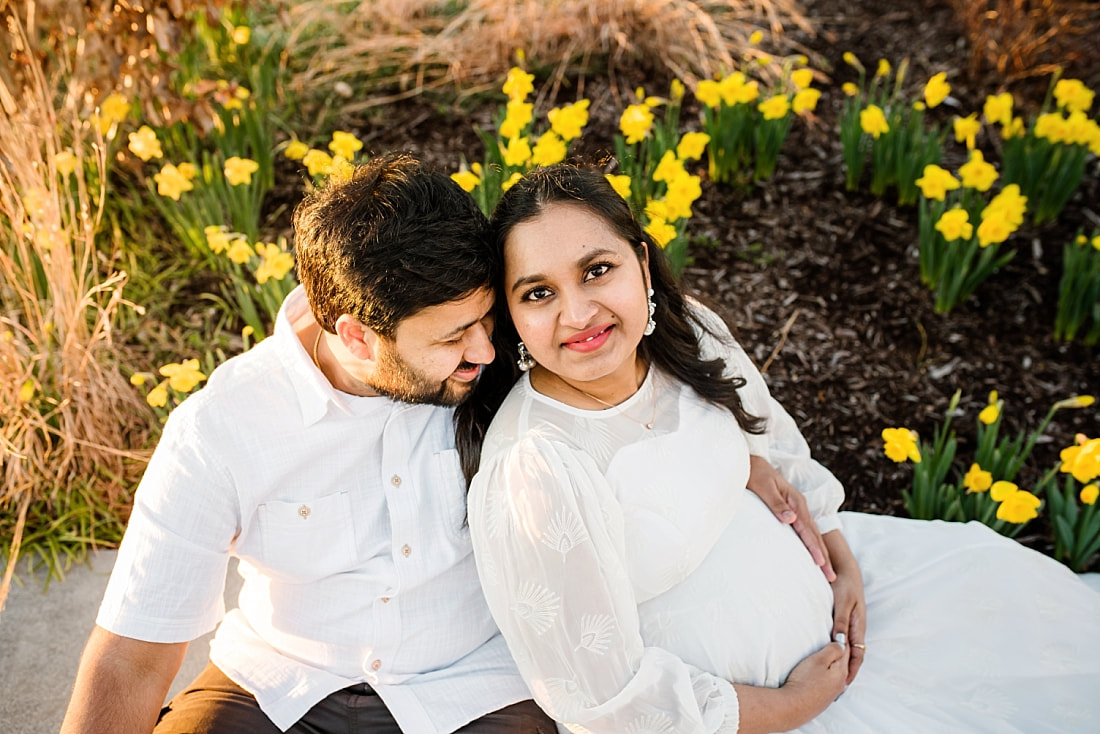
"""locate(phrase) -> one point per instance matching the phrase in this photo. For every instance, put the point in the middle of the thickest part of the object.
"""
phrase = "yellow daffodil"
(805, 100)
(1079, 129)
(936, 90)
(1089, 493)
(676, 90)
(158, 396)
(242, 34)
(1096, 242)
(1014, 129)
(883, 68)
(977, 480)
(1051, 126)
(518, 84)
(1019, 507)
(755, 37)
(239, 170)
(1001, 490)
(736, 88)
(682, 192)
(955, 224)
(65, 162)
(239, 251)
(621, 184)
(709, 92)
(144, 144)
(1082, 460)
(188, 170)
(467, 179)
(569, 121)
(901, 444)
(517, 116)
(549, 149)
(852, 60)
(873, 121)
(317, 162)
(966, 129)
(296, 150)
(345, 145)
(276, 263)
(636, 122)
(342, 169)
(802, 78)
(1009, 204)
(669, 167)
(171, 182)
(994, 229)
(517, 152)
(27, 390)
(183, 376)
(217, 238)
(976, 173)
(137, 379)
(1073, 95)
(661, 231)
(990, 413)
(849, 89)
(512, 181)
(936, 182)
(112, 110)
(691, 146)
(998, 109)
(775, 108)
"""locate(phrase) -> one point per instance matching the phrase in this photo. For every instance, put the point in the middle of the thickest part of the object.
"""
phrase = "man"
(324, 460)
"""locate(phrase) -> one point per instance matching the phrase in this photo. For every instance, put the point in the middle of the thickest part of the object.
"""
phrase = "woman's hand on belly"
(849, 605)
(810, 688)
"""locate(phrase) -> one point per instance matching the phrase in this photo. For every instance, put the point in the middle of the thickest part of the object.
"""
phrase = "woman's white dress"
(633, 577)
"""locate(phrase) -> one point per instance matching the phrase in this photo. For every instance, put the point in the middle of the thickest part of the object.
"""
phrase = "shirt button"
(376, 665)
(395, 480)
(385, 600)
(406, 551)
(303, 512)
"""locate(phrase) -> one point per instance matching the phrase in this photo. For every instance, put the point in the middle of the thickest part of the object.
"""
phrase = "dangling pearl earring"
(525, 361)
(651, 325)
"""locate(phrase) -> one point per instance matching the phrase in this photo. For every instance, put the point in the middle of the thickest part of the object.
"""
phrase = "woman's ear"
(645, 265)
(360, 340)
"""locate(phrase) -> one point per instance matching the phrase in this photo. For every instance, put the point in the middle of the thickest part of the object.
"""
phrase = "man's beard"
(396, 379)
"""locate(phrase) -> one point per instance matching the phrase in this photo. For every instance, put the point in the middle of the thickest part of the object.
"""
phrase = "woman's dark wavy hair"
(388, 241)
(673, 347)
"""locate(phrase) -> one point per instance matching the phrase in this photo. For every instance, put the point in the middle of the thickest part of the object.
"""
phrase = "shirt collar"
(315, 394)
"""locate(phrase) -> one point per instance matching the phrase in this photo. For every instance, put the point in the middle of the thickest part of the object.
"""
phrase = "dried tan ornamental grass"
(67, 415)
(413, 46)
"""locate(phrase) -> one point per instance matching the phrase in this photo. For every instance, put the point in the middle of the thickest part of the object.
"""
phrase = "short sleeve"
(168, 580)
(782, 443)
(548, 539)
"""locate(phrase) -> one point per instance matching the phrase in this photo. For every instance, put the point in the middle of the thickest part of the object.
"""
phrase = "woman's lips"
(590, 339)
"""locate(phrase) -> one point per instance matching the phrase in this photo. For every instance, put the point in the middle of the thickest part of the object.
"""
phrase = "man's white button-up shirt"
(348, 517)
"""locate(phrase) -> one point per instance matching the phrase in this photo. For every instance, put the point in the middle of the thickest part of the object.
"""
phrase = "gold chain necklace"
(647, 425)
(317, 343)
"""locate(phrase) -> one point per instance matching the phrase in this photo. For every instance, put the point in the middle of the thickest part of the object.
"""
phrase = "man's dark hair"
(673, 347)
(388, 241)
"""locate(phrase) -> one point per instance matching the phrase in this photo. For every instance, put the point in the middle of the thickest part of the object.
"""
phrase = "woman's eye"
(536, 294)
(596, 271)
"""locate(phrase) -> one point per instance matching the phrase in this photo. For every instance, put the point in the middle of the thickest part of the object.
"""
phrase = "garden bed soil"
(822, 284)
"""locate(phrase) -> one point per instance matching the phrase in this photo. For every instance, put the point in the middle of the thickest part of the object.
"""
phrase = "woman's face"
(577, 294)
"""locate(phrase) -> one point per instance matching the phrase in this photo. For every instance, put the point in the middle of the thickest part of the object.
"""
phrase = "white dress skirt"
(634, 577)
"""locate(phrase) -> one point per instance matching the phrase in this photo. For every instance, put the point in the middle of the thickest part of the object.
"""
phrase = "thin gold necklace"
(317, 343)
(647, 425)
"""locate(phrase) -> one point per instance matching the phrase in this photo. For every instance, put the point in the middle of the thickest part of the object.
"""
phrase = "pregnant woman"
(642, 588)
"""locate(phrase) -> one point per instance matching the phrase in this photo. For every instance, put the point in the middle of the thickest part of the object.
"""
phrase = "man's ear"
(360, 340)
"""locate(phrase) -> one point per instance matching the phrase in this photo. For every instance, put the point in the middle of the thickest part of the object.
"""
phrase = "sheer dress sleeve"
(782, 443)
(548, 538)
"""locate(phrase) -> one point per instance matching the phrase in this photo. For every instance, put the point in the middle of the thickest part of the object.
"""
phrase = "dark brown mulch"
(823, 283)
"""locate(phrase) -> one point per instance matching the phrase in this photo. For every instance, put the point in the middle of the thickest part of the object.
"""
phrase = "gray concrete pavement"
(42, 635)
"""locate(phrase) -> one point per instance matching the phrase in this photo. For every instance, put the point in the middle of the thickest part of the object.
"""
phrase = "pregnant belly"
(752, 610)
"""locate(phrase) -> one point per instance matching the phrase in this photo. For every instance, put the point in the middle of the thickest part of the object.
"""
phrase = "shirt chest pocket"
(307, 540)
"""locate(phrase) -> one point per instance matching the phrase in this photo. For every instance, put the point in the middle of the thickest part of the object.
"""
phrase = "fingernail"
(841, 639)
(788, 516)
